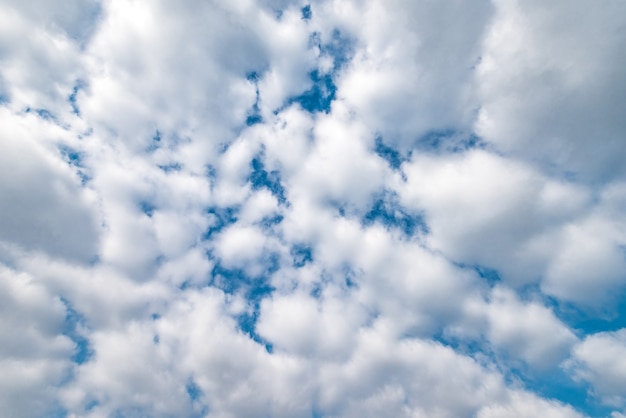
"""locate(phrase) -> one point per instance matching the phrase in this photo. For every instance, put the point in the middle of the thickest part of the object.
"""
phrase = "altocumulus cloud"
(335, 208)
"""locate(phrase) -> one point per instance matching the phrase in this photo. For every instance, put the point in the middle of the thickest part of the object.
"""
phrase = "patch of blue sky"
(236, 279)
(247, 324)
(254, 117)
(196, 396)
(168, 168)
(44, 114)
(252, 289)
(387, 211)
(339, 47)
(222, 217)
(254, 76)
(301, 254)
(393, 157)
(557, 384)
(350, 280)
(72, 156)
(73, 328)
(260, 178)
(170, 140)
(489, 275)
(147, 208)
(269, 222)
(229, 280)
(155, 142)
(193, 390)
(254, 114)
(320, 96)
(307, 14)
(341, 209)
(75, 159)
(323, 91)
(478, 349)
(316, 291)
(72, 98)
(448, 141)
(609, 317)
(211, 174)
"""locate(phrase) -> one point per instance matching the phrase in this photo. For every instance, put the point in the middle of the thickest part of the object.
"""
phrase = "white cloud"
(552, 94)
(599, 359)
(523, 331)
(524, 405)
(43, 205)
(409, 75)
(40, 63)
(340, 167)
(34, 356)
(485, 209)
(223, 249)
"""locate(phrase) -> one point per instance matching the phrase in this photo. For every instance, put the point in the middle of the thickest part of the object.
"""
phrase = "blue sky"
(335, 208)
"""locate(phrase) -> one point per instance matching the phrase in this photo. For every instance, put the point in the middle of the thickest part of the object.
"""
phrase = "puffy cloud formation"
(345, 208)
(599, 359)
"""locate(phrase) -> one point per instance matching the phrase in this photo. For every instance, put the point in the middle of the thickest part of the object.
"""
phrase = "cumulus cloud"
(35, 358)
(44, 206)
(599, 359)
(330, 209)
(551, 94)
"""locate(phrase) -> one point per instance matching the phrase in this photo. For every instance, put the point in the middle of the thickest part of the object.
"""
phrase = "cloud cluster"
(335, 209)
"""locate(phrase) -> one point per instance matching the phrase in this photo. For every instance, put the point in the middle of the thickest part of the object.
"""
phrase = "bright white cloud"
(599, 359)
(338, 209)
(520, 331)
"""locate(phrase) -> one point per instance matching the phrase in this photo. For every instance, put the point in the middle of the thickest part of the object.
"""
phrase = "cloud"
(407, 75)
(599, 359)
(329, 209)
(44, 206)
(35, 358)
(552, 94)
(530, 227)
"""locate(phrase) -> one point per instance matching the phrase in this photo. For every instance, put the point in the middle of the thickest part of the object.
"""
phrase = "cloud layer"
(335, 209)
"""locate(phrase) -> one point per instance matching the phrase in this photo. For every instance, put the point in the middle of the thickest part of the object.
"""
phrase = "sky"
(334, 208)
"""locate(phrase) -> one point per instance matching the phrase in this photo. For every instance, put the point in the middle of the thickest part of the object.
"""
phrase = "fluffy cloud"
(599, 359)
(551, 94)
(44, 206)
(338, 209)
(34, 358)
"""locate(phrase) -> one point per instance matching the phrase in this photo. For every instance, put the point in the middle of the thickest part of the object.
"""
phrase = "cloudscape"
(334, 208)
